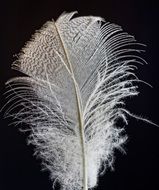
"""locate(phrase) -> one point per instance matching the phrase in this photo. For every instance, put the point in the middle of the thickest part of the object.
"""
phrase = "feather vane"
(79, 72)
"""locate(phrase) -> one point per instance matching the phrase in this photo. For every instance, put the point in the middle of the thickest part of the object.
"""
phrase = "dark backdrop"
(19, 169)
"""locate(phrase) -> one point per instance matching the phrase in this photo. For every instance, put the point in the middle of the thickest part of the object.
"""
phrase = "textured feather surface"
(79, 70)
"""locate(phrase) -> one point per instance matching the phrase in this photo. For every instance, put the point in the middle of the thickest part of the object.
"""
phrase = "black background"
(139, 169)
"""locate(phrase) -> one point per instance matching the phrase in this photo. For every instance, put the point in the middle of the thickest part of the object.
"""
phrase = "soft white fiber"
(78, 73)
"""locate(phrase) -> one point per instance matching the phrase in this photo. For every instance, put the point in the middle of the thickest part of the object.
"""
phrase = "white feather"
(79, 71)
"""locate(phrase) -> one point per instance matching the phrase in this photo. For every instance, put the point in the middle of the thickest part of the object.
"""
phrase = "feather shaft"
(80, 114)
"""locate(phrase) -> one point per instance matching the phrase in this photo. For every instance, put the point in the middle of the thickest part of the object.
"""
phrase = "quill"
(79, 70)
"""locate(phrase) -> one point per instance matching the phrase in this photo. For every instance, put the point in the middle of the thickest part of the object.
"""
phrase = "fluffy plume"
(78, 73)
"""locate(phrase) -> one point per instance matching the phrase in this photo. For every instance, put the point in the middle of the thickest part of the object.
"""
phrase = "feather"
(79, 71)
